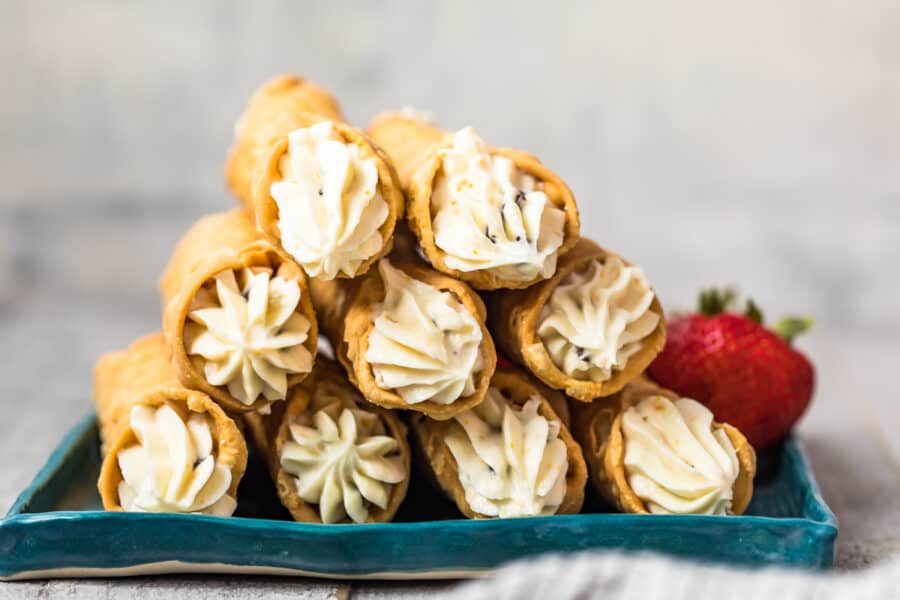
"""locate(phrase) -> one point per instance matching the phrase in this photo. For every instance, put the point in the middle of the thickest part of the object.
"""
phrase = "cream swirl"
(596, 319)
(425, 342)
(489, 215)
(675, 460)
(511, 462)
(329, 205)
(173, 466)
(249, 334)
(342, 457)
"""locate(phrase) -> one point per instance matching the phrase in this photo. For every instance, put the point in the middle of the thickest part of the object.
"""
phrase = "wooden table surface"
(710, 144)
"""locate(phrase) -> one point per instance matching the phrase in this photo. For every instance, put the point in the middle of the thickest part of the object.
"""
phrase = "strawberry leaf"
(790, 327)
(753, 312)
(714, 302)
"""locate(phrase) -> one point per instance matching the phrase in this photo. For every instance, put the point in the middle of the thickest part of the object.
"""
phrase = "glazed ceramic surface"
(56, 529)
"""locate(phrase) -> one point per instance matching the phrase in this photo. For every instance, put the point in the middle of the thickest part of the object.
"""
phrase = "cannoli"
(334, 457)
(588, 330)
(322, 192)
(237, 316)
(650, 451)
(510, 456)
(492, 217)
(165, 448)
(279, 106)
(409, 337)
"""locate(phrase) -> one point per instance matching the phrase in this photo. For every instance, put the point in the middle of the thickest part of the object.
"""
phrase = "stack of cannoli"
(415, 255)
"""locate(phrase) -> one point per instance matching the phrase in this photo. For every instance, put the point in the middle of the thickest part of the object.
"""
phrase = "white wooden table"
(757, 144)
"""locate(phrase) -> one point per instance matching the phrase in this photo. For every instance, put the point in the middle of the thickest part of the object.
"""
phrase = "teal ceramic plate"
(55, 529)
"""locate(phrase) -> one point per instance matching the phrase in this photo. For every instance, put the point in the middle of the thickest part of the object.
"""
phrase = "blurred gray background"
(755, 143)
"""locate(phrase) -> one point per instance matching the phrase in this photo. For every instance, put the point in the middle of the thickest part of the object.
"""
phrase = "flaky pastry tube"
(285, 151)
(415, 147)
(516, 389)
(218, 244)
(282, 104)
(514, 317)
(346, 315)
(140, 376)
(598, 428)
(270, 433)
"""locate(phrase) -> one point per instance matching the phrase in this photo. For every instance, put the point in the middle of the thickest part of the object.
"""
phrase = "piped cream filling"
(342, 457)
(329, 205)
(597, 318)
(249, 333)
(489, 215)
(173, 467)
(511, 462)
(675, 461)
(425, 343)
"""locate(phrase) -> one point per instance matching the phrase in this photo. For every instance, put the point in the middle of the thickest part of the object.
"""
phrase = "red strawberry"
(747, 375)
